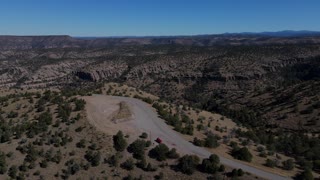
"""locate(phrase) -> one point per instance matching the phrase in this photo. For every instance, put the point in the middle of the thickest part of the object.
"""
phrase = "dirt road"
(145, 119)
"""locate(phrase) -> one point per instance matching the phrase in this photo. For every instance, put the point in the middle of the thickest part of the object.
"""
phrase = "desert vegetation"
(257, 104)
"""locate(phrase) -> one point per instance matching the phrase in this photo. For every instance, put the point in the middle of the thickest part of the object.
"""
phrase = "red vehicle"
(158, 140)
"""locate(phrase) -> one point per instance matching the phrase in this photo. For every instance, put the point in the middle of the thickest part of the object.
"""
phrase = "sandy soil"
(101, 112)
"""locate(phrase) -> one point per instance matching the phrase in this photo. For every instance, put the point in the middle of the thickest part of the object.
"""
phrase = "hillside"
(267, 85)
(50, 134)
(235, 77)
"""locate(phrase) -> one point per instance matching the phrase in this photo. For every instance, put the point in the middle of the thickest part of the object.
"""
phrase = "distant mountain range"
(246, 38)
(286, 33)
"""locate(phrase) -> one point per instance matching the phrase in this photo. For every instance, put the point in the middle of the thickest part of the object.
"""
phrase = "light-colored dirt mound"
(105, 113)
(123, 114)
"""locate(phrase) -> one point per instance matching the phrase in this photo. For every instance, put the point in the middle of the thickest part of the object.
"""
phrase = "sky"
(155, 17)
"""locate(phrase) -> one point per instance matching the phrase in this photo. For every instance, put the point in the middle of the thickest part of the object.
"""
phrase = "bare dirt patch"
(123, 114)
(109, 115)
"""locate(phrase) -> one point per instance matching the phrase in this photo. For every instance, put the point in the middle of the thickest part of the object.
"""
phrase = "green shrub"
(128, 164)
(144, 135)
(93, 157)
(44, 164)
(211, 141)
(3, 163)
(114, 160)
(159, 152)
(306, 175)
(240, 172)
(270, 163)
(119, 142)
(150, 168)
(288, 164)
(172, 154)
(81, 143)
(137, 148)
(222, 168)
(242, 154)
(12, 114)
(210, 165)
(13, 170)
(80, 104)
(142, 163)
(187, 164)
(198, 142)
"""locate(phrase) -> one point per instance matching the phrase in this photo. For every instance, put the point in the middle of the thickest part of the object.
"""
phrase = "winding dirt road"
(145, 119)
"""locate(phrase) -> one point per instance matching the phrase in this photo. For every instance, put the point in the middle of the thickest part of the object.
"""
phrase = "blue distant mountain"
(286, 33)
(245, 38)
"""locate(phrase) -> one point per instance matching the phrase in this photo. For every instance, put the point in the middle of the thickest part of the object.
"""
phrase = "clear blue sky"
(155, 17)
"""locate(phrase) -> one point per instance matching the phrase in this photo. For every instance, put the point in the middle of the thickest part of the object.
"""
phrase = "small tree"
(137, 148)
(222, 168)
(172, 154)
(211, 141)
(80, 104)
(128, 164)
(160, 176)
(210, 165)
(188, 163)
(270, 163)
(240, 172)
(44, 163)
(3, 163)
(114, 160)
(306, 175)
(214, 159)
(144, 135)
(198, 142)
(93, 157)
(142, 163)
(234, 173)
(81, 143)
(288, 164)
(119, 142)
(242, 154)
(12, 114)
(13, 172)
(159, 152)
(150, 167)
(23, 167)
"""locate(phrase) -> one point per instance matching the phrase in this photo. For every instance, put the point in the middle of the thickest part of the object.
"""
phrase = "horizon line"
(177, 35)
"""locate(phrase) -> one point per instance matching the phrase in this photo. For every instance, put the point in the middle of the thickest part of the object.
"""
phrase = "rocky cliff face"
(10, 75)
(150, 64)
(14, 73)
(102, 71)
(51, 73)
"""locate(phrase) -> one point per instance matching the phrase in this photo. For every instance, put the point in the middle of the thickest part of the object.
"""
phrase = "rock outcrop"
(102, 71)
